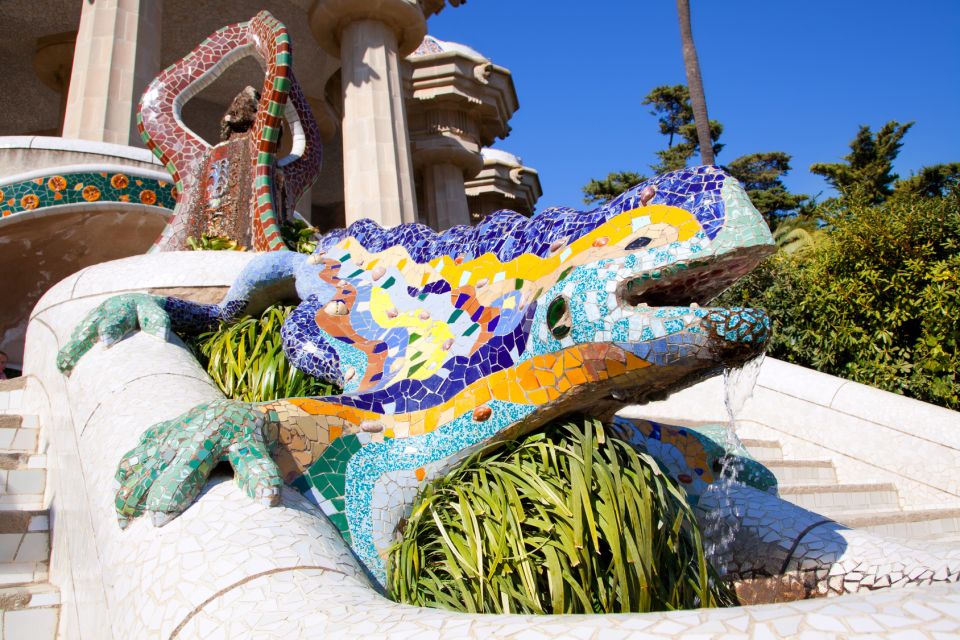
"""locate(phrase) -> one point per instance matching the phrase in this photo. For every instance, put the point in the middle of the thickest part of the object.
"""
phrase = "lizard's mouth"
(694, 341)
(693, 283)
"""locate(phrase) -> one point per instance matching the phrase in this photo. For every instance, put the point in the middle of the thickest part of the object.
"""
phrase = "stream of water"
(722, 523)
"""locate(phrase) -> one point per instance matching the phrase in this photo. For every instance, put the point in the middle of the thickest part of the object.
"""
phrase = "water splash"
(722, 523)
(738, 386)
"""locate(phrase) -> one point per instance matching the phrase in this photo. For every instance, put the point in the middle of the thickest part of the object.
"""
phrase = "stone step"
(11, 395)
(24, 481)
(24, 572)
(16, 504)
(29, 611)
(24, 547)
(842, 498)
(763, 449)
(19, 433)
(24, 521)
(912, 524)
(806, 472)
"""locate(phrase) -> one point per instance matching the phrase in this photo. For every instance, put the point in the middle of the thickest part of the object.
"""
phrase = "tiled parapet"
(85, 186)
(755, 534)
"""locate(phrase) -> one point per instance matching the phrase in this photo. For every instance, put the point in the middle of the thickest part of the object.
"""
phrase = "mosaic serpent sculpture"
(443, 343)
(265, 190)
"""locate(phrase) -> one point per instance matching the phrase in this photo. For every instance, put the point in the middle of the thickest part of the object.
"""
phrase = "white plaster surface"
(94, 147)
(230, 567)
(864, 431)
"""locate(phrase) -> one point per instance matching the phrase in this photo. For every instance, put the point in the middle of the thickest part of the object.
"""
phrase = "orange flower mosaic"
(147, 196)
(30, 201)
(61, 189)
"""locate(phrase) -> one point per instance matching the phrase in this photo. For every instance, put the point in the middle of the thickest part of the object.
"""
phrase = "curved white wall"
(232, 568)
(868, 434)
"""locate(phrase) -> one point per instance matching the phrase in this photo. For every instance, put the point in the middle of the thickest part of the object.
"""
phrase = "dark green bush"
(876, 299)
(568, 519)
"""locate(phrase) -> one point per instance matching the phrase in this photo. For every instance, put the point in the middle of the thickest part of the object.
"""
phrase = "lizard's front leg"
(164, 473)
(266, 279)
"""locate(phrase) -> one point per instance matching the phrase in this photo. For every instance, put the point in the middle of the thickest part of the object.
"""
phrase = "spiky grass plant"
(247, 362)
(566, 520)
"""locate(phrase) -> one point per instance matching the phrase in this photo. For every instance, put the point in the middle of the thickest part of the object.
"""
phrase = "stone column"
(444, 197)
(52, 63)
(117, 55)
(371, 39)
(459, 102)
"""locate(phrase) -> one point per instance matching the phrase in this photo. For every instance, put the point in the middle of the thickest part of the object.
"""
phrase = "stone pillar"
(117, 55)
(53, 62)
(371, 39)
(378, 175)
(444, 197)
(459, 102)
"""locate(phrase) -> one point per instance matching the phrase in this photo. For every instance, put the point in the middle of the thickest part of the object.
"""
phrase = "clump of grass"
(246, 360)
(568, 519)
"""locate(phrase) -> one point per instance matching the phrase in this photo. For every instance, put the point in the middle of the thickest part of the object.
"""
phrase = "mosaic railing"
(59, 188)
(264, 189)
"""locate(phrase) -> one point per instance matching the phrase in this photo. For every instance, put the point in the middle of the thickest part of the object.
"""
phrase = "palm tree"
(697, 99)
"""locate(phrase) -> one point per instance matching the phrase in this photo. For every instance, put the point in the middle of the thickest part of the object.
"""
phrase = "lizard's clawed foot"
(164, 473)
(110, 321)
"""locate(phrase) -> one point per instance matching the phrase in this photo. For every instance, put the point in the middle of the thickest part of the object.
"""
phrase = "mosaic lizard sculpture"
(263, 191)
(445, 343)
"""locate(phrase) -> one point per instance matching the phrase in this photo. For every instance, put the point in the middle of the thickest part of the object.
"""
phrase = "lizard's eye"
(558, 318)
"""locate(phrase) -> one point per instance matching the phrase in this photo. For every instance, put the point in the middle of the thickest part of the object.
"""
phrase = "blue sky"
(786, 76)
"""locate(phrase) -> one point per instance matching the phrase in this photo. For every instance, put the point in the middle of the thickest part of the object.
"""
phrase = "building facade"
(407, 122)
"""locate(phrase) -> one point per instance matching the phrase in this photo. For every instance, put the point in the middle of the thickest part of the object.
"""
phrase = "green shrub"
(876, 299)
(247, 362)
(298, 235)
(566, 520)
(214, 243)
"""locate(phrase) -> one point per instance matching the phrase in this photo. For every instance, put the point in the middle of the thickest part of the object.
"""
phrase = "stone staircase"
(876, 507)
(29, 604)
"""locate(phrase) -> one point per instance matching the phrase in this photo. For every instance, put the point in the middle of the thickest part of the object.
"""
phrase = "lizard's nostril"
(639, 243)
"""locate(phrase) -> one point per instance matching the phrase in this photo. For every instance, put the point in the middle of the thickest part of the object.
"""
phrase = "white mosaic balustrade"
(232, 568)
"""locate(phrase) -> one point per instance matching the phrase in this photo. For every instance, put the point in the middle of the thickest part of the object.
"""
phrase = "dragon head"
(633, 306)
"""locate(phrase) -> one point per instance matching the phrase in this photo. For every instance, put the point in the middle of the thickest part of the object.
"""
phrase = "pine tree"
(930, 182)
(760, 174)
(611, 186)
(867, 171)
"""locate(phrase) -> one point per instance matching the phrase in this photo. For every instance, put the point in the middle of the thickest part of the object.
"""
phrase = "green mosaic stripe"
(276, 89)
(82, 188)
(328, 476)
